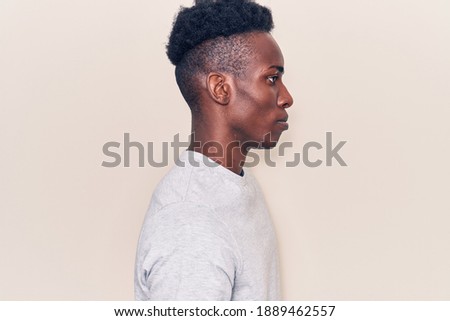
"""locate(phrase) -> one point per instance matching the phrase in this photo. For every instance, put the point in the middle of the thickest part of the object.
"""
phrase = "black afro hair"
(209, 19)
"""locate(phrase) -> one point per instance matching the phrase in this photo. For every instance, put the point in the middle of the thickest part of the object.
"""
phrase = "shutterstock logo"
(119, 154)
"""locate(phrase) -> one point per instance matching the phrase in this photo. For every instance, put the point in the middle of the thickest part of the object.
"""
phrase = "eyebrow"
(279, 68)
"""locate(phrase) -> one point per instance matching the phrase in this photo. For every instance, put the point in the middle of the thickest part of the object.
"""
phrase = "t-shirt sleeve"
(189, 254)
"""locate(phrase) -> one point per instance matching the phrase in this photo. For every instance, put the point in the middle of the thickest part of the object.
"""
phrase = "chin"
(268, 145)
(268, 141)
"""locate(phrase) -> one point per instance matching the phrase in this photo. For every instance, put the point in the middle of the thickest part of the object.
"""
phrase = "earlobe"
(218, 88)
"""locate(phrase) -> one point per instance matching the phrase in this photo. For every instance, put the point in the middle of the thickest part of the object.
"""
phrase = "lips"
(283, 120)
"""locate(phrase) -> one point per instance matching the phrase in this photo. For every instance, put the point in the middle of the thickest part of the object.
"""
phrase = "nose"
(285, 99)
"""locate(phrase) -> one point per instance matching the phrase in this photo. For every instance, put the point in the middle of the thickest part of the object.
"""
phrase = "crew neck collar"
(195, 159)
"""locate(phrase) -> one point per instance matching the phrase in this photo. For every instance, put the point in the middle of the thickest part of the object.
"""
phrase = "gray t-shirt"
(207, 235)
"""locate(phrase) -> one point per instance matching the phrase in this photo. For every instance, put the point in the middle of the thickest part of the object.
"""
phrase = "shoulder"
(187, 227)
(185, 220)
(182, 244)
(188, 180)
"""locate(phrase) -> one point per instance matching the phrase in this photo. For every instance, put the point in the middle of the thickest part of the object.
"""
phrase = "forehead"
(266, 51)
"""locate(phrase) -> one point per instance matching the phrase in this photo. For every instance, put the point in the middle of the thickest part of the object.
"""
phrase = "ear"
(218, 88)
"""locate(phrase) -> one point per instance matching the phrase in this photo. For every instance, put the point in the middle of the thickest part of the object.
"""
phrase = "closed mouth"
(283, 120)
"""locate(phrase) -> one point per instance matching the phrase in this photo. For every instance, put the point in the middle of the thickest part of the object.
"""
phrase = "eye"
(272, 79)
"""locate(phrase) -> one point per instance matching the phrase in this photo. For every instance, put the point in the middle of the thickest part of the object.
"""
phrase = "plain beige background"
(77, 74)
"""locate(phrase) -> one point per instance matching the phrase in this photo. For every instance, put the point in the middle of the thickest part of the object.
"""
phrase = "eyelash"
(272, 79)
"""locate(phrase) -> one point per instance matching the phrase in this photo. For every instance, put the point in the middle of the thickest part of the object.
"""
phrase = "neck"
(219, 145)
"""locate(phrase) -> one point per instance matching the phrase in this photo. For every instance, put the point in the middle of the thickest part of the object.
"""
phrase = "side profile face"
(257, 108)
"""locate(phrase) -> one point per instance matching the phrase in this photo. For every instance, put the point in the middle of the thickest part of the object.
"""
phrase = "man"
(207, 234)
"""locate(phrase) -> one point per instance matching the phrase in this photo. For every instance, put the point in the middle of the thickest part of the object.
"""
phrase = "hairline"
(199, 73)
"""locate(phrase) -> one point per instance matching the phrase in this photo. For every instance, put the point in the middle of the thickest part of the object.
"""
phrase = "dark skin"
(239, 113)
